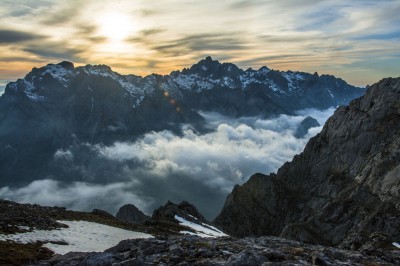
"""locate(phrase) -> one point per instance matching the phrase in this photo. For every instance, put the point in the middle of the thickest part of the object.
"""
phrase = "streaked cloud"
(13, 36)
(160, 36)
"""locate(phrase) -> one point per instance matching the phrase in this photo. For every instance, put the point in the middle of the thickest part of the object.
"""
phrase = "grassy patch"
(12, 253)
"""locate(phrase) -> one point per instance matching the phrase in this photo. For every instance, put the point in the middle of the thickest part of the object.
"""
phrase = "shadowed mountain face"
(59, 106)
(342, 190)
(131, 214)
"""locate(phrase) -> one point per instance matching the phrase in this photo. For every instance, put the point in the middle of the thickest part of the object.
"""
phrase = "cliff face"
(131, 214)
(344, 189)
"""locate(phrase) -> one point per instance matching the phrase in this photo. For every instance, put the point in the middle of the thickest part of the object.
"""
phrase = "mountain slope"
(59, 106)
(342, 190)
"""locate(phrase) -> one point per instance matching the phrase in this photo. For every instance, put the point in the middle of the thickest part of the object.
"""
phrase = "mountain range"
(340, 194)
(59, 105)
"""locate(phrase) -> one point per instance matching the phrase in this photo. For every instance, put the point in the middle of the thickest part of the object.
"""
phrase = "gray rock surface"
(131, 214)
(342, 190)
(191, 250)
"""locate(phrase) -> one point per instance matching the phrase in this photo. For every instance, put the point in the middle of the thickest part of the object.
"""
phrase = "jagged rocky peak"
(342, 190)
(213, 68)
(184, 210)
(184, 218)
(305, 125)
(55, 70)
(67, 65)
(264, 69)
(102, 70)
(131, 214)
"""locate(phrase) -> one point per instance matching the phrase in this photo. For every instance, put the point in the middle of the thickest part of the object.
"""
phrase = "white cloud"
(162, 166)
(76, 195)
(63, 154)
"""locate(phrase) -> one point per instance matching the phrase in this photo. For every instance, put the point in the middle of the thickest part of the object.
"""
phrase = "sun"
(116, 27)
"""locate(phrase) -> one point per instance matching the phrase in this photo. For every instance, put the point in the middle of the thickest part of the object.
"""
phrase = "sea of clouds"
(161, 166)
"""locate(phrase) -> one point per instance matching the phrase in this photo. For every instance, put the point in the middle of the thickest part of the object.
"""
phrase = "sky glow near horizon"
(358, 41)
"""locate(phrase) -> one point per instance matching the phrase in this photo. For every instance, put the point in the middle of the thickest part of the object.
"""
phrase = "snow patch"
(264, 70)
(330, 93)
(127, 82)
(31, 93)
(59, 73)
(228, 82)
(138, 101)
(80, 235)
(292, 79)
(204, 68)
(193, 82)
(397, 245)
(23, 227)
(289, 78)
(299, 76)
(203, 230)
(275, 87)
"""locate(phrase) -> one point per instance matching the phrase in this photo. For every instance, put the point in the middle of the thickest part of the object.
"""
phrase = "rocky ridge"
(342, 190)
(18, 218)
(131, 214)
(172, 249)
(193, 250)
(184, 218)
(62, 107)
(184, 210)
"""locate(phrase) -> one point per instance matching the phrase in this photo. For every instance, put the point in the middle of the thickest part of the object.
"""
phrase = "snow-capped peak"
(264, 70)
(58, 72)
(100, 70)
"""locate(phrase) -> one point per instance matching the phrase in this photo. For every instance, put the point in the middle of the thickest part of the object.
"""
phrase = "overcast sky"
(358, 41)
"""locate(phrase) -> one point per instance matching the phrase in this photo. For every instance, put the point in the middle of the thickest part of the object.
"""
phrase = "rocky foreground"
(194, 250)
(167, 247)
(21, 218)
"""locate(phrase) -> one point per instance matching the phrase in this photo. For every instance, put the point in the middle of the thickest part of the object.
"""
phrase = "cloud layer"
(162, 166)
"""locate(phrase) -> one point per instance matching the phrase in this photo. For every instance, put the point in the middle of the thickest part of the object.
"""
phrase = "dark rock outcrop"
(183, 209)
(131, 214)
(305, 125)
(191, 250)
(183, 218)
(342, 190)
